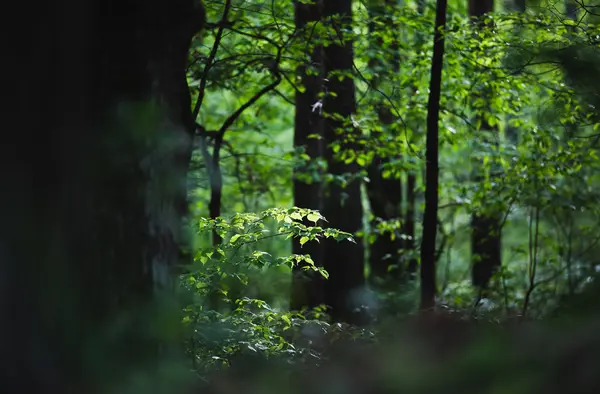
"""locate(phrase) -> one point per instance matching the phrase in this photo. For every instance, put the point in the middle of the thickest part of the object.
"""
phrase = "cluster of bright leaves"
(218, 269)
(252, 324)
(244, 229)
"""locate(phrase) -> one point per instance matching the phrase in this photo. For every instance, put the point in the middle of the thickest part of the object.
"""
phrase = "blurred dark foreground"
(436, 354)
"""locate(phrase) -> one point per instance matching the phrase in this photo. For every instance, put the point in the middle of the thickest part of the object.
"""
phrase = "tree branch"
(211, 58)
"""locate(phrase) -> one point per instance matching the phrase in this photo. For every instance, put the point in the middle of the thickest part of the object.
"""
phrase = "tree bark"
(409, 225)
(410, 219)
(307, 286)
(428, 244)
(385, 199)
(571, 9)
(486, 235)
(517, 6)
(96, 188)
(385, 194)
(342, 205)
(478, 8)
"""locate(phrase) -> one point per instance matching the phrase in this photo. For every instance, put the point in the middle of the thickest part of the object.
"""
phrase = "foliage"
(224, 316)
(519, 106)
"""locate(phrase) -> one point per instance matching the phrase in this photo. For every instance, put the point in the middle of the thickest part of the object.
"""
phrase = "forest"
(301, 196)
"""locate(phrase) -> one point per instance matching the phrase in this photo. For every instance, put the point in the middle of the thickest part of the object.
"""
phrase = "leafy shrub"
(225, 323)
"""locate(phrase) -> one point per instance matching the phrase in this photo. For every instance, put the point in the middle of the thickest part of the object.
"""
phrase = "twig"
(211, 58)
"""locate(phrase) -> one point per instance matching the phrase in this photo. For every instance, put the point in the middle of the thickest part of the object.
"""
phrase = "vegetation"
(374, 195)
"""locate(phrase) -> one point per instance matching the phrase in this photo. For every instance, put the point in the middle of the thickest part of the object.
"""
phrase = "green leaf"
(303, 240)
(313, 217)
(296, 215)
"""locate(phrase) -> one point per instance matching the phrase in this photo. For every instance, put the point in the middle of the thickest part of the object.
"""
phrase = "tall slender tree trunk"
(343, 207)
(307, 285)
(411, 200)
(571, 8)
(410, 246)
(95, 196)
(517, 6)
(486, 240)
(428, 244)
(385, 194)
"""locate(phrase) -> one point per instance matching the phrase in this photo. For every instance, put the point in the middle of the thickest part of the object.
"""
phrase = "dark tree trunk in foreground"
(94, 188)
(486, 236)
(343, 208)
(385, 194)
(428, 244)
(307, 285)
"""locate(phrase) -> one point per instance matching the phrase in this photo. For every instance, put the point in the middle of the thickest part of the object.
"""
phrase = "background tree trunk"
(511, 133)
(571, 7)
(96, 188)
(486, 237)
(428, 244)
(343, 206)
(410, 225)
(307, 285)
(385, 194)
(410, 219)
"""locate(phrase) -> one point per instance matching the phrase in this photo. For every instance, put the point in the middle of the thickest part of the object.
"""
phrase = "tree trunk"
(385, 194)
(343, 207)
(96, 188)
(410, 219)
(428, 244)
(385, 198)
(571, 7)
(307, 285)
(409, 225)
(517, 6)
(486, 240)
(477, 8)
